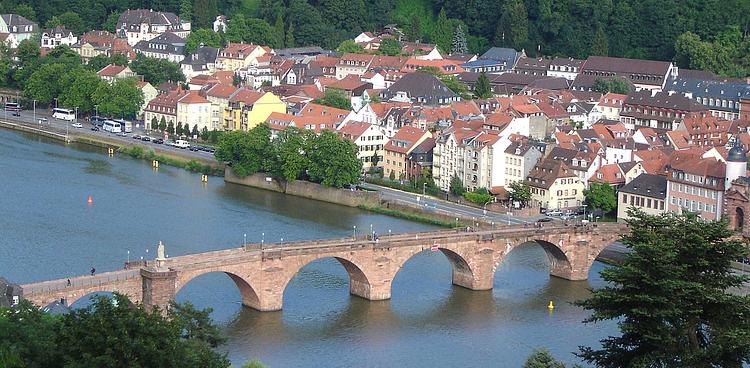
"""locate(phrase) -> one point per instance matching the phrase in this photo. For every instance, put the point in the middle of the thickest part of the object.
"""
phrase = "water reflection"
(322, 325)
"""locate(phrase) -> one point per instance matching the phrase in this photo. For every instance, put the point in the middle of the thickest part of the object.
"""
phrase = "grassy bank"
(139, 152)
(411, 216)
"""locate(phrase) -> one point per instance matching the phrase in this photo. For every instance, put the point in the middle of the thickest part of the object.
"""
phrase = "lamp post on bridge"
(355, 232)
(244, 240)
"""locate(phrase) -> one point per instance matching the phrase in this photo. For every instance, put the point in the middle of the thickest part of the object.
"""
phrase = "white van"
(181, 144)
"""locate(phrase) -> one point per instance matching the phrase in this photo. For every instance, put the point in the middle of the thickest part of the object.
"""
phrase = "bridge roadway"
(262, 271)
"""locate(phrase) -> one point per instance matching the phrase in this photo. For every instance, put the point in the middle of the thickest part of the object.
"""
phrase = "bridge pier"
(158, 288)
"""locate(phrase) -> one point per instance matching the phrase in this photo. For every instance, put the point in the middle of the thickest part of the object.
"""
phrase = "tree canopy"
(109, 333)
(334, 97)
(575, 28)
(157, 71)
(294, 155)
(671, 297)
(600, 197)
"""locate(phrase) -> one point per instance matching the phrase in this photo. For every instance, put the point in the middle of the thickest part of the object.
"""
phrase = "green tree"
(195, 133)
(204, 13)
(163, 124)
(600, 44)
(520, 192)
(442, 34)
(248, 152)
(78, 89)
(154, 123)
(44, 83)
(289, 42)
(157, 71)
(186, 10)
(84, 337)
(291, 147)
(110, 24)
(455, 85)
(204, 36)
(204, 134)
(672, 297)
(255, 363)
(541, 358)
(333, 160)
(261, 33)
(513, 28)
(334, 97)
(178, 130)
(98, 62)
(236, 28)
(72, 22)
(414, 30)
(122, 98)
(600, 197)
(483, 89)
(170, 128)
(26, 11)
(346, 15)
(390, 47)
(351, 47)
(459, 45)
(457, 186)
(278, 30)
(612, 84)
(392, 175)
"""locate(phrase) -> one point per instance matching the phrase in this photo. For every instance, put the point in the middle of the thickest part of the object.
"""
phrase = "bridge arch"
(359, 281)
(248, 293)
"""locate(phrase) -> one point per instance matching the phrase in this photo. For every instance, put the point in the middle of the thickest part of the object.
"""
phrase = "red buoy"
(90, 200)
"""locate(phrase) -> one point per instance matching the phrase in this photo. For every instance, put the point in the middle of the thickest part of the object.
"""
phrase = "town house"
(144, 24)
(554, 186)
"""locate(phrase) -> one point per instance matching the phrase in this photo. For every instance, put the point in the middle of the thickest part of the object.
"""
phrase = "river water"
(48, 230)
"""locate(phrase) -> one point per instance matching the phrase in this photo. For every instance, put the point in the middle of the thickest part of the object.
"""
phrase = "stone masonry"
(262, 274)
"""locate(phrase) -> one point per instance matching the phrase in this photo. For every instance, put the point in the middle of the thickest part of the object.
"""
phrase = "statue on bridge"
(161, 260)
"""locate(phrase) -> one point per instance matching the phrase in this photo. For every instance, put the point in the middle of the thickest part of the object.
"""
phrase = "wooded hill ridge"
(698, 34)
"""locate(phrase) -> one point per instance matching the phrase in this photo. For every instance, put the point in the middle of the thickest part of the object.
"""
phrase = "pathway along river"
(49, 231)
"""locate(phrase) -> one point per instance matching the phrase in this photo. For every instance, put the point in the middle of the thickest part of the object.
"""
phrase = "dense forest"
(707, 34)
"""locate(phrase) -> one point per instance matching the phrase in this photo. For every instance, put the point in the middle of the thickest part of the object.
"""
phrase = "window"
(625, 198)
(661, 205)
(648, 203)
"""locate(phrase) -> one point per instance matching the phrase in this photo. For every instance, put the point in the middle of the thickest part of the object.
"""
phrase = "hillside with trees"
(709, 34)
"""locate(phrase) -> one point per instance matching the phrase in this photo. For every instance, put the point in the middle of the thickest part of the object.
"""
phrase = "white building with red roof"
(369, 139)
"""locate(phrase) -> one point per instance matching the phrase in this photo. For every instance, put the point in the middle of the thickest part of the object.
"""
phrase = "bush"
(477, 197)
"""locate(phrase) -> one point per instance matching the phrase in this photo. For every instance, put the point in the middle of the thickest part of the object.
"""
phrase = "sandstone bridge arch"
(262, 272)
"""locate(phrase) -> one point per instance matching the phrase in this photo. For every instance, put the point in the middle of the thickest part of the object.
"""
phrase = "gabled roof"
(407, 135)
(624, 66)
(664, 100)
(352, 130)
(111, 70)
(647, 185)
(139, 16)
(546, 171)
(421, 85)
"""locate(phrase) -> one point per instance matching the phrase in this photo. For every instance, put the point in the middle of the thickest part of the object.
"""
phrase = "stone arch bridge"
(262, 272)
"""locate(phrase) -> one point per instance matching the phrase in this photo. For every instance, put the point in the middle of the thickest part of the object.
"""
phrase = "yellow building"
(239, 55)
(398, 148)
(555, 186)
(249, 108)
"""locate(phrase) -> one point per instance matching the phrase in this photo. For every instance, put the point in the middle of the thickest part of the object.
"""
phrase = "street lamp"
(96, 111)
(244, 239)
(584, 211)
(76, 114)
(424, 185)
(35, 111)
(355, 232)
(55, 102)
(262, 238)
(371, 232)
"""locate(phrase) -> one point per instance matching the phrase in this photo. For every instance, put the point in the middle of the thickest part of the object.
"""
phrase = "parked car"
(122, 134)
(42, 120)
(544, 219)
(181, 144)
(77, 125)
(137, 136)
(95, 128)
(554, 213)
(158, 141)
(146, 138)
(195, 148)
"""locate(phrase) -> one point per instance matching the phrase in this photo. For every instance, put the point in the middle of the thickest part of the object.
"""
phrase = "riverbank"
(172, 158)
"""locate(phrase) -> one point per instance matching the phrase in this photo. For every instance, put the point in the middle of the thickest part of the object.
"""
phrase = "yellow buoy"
(551, 306)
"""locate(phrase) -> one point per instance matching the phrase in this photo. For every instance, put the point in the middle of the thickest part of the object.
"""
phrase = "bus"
(63, 114)
(126, 126)
(112, 126)
(97, 120)
(12, 106)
